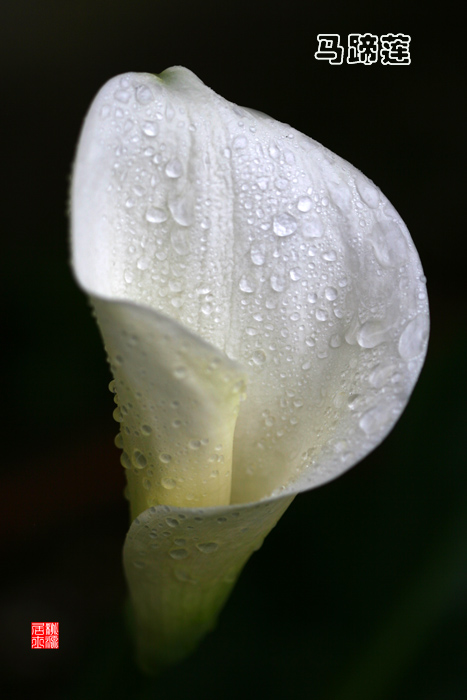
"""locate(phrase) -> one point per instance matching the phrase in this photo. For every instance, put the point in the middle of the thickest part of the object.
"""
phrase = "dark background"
(361, 591)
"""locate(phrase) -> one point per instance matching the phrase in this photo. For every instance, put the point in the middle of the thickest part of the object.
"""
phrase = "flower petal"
(222, 248)
(178, 401)
(269, 247)
(181, 565)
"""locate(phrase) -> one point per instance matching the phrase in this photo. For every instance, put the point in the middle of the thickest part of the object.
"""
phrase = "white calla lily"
(265, 315)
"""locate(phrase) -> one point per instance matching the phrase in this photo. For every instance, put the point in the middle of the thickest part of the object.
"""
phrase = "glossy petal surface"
(265, 315)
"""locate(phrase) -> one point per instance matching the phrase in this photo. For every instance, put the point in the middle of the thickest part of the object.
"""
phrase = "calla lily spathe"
(265, 316)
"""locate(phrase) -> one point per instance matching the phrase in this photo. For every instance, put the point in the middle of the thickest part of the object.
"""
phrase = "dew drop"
(335, 341)
(246, 286)
(371, 334)
(146, 429)
(375, 419)
(143, 95)
(117, 415)
(122, 96)
(413, 338)
(150, 128)
(156, 216)
(380, 375)
(368, 192)
(139, 460)
(278, 283)
(143, 263)
(165, 457)
(388, 243)
(313, 228)
(125, 461)
(240, 142)
(168, 484)
(174, 168)
(295, 274)
(284, 225)
(274, 151)
(257, 256)
(304, 204)
(259, 357)
(321, 314)
(207, 547)
(178, 553)
(330, 293)
(181, 211)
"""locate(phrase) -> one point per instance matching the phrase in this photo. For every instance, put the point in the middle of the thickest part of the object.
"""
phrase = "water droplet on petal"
(259, 357)
(368, 192)
(150, 128)
(304, 204)
(143, 94)
(143, 263)
(122, 96)
(284, 225)
(376, 418)
(313, 228)
(181, 211)
(371, 334)
(257, 256)
(278, 283)
(207, 547)
(246, 286)
(156, 216)
(174, 168)
(168, 484)
(240, 142)
(295, 274)
(321, 314)
(178, 553)
(139, 460)
(413, 338)
(125, 461)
